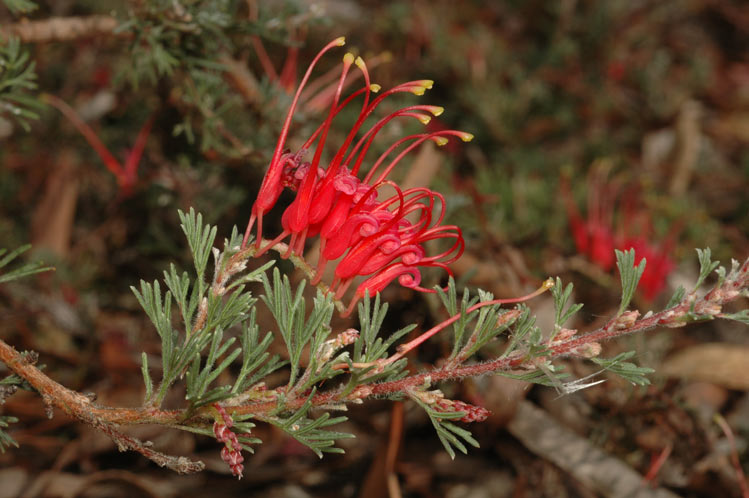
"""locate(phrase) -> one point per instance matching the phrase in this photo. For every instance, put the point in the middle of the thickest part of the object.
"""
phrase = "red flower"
(126, 174)
(595, 236)
(371, 226)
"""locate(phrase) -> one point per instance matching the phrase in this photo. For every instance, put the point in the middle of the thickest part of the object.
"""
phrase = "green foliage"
(20, 6)
(546, 375)
(226, 312)
(168, 36)
(158, 309)
(10, 380)
(371, 347)
(242, 426)
(179, 286)
(202, 353)
(741, 316)
(198, 379)
(184, 43)
(526, 336)
(5, 439)
(24, 270)
(723, 274)
(630, 275)
(177, 351)
(489, 322)
(189, 48)
(312, 432)
(626, 370)
(208, 104)
(204, 346)
(256, 364)
(562, 312)
(289, 312)
(8, 386)
(677, 297)
(450, 302)
(147, 381)
(451, 436)
(707, 266)
(17, 79)
(200, 238)
(206, 312)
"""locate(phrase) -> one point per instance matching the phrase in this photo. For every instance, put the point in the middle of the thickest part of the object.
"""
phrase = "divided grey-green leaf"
(24, 270)
(199, 237)
(630, 275)
(707, 266)
(628, 371)
(5, 439)
(563, 312)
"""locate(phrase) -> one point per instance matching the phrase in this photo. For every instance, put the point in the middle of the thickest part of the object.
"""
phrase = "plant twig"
(691, 308)
(61, 29)
(179, 464)
(82, 408)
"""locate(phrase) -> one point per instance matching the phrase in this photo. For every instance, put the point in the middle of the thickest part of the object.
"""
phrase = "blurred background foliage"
(633, 114)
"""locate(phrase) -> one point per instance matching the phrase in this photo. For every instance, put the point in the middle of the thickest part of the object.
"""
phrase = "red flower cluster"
(596, 238)
(370, 226)
(231, 453)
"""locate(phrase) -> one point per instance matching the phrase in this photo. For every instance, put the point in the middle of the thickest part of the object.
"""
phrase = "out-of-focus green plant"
(20, 6)
(17, 80)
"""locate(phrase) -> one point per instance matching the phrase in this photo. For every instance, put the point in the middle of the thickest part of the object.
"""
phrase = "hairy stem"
(691, 308)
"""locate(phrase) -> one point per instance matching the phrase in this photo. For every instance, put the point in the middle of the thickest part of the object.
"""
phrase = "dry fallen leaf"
(718, 363)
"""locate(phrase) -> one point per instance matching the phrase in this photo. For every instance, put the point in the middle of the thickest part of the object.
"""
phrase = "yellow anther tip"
(424, 119)
(374, 87)
(417, 90)
(348, 58)
(428, 84)
(437, 110)
(440, 141)
(359, 62)
(340, 41)
(466, 137)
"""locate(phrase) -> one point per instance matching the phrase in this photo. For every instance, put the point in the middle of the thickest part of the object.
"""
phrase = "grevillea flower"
(127, 173)
(596, 236)
(366, 223)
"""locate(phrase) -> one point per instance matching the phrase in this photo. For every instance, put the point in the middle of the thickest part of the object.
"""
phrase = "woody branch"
(105, 418)
(60, 29)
